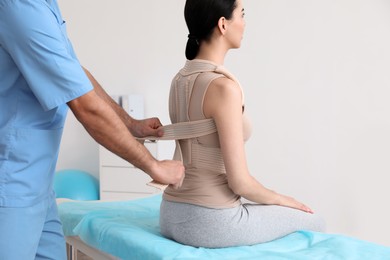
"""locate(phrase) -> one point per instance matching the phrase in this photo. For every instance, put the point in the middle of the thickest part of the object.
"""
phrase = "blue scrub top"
(39, 74)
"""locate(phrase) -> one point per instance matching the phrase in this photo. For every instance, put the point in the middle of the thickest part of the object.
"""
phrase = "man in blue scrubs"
(40, 77)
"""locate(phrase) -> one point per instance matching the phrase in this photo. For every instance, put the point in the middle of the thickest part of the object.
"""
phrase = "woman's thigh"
(247, 224)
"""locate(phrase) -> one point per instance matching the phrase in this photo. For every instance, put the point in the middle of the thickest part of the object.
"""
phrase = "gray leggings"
(246, 224)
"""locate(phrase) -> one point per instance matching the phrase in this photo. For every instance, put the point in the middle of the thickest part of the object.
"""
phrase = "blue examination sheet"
(130, 230)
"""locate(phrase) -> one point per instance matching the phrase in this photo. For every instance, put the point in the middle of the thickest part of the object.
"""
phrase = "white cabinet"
(122, 180)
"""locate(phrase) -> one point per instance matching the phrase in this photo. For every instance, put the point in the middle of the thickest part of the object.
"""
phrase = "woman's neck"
(212, 52)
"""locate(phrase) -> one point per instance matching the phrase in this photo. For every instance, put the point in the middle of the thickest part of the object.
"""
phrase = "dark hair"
(202, 17)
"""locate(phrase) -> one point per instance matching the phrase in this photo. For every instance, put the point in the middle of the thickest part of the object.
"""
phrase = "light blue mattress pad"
(130, 230)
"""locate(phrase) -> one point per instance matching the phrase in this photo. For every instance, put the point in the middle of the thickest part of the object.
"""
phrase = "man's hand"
(169, 172)
(146, 127)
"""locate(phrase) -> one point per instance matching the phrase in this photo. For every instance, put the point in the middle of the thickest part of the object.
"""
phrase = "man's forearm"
(105, 126)
(123, 115)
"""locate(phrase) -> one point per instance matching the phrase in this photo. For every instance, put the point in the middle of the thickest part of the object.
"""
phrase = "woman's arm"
(223, 103)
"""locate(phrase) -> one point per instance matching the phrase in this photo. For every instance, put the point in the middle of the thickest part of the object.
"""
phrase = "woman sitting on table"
(207, 211)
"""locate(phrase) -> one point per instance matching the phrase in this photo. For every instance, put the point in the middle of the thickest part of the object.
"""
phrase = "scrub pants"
(32, 232)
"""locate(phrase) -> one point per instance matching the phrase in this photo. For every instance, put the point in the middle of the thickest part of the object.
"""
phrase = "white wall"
(316, 78)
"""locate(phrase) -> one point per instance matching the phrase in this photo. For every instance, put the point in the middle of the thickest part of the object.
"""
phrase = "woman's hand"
(283, 200)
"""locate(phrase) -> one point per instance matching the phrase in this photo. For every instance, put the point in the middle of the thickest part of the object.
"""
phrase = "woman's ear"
(222, 25)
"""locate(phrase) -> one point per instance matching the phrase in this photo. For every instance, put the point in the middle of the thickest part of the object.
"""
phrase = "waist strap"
(203, 157)
(186, 130)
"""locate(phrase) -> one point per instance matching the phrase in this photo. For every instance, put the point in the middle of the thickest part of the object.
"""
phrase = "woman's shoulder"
(225, 86)
(222, 94)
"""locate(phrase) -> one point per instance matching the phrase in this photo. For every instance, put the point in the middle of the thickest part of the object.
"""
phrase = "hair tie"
(193, 37)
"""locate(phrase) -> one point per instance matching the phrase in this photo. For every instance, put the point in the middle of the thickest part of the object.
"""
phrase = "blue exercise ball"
(76, 185)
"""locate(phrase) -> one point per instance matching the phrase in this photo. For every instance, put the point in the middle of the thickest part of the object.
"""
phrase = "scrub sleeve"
(39, 74)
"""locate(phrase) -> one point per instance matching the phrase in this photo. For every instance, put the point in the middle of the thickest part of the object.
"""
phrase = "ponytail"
(192, 47)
